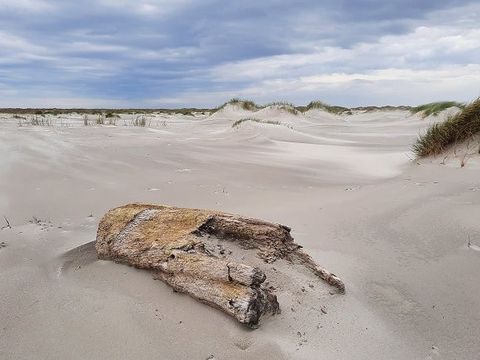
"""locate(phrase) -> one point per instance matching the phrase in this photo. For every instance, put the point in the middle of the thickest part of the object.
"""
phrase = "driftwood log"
(182, 247)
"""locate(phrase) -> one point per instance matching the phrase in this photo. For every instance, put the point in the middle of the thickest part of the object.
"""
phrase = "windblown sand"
(403, 235)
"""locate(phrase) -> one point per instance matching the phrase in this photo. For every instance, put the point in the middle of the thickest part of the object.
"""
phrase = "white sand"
(395, 231)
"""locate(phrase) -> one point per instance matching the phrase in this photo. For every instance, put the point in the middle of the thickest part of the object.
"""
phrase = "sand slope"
(396, 231)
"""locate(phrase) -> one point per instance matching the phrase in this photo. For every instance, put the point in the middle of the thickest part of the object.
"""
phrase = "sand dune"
(402, 234)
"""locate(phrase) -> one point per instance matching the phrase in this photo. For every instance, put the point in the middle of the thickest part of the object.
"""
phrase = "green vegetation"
(244, 104)
(435, 108)
(111, 114)
(34, 120)
(456, 128)
(53, 112)
(140, 120)
(100, 119)
(241, 121)
(329, 108)
(185, 111)
(283, 105)
(371, 108)
(80, 111)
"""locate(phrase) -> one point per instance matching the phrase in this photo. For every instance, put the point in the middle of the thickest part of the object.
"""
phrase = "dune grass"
(248, 105)
(326, 107)
(111, 114)
(455, 129)
(435, 108)
(185, 111)
(140, 120)
(100, 119)
(34, 120)
(283, 105)
(241, 121)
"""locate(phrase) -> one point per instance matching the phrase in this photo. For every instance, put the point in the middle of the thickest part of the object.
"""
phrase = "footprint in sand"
(243, 343)
(473, 247)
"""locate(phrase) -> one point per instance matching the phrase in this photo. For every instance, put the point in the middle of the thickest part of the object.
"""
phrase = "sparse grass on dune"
(100, 119)
(244, 104)
(435, 108)
(457, 128)
(250, 105)
(241, 121)
(371, 108)
(185, 111)
(111, 114)
(283, 105)
(140, 120)
(80, 111)
(329, 108)
(34, 120)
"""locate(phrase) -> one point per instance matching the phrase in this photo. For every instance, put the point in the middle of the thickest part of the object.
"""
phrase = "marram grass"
(244, 104)
(435, 108)
(326, 107)
(455, 129)
(283, 105)
(241, 121)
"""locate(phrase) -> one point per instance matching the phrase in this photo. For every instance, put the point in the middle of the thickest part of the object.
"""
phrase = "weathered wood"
(179, 246)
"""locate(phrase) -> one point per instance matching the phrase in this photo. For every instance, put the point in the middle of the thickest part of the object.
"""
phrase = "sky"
(201, 53)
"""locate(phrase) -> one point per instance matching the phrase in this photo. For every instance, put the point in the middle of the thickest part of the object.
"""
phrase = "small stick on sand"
(8, 226)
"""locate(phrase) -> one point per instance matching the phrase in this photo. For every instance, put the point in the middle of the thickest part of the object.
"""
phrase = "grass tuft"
(456, 128)
(111, 114)
(283, 105)
(140, 120)
(241, 121)
(40, 120)
(329, 108)
(244, 104)
(435, 108)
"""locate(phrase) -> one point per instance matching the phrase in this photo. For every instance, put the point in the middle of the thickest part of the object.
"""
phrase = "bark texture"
(181, 247)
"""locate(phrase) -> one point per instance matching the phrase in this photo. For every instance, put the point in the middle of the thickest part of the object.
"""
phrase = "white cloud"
(175, 52)
(10, 41)
(84, 46)
(439, 60)
(385, 86)
(54, 99)
(422, 47)
(147, 8)
(25, 5)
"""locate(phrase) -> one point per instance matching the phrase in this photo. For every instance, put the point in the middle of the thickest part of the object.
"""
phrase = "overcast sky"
(174, 53)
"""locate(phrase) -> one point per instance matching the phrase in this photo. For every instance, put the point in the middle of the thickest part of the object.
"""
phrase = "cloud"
(34, 6)
(185, 52)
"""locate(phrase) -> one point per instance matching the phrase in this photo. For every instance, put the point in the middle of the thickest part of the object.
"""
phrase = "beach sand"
(404, 236)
